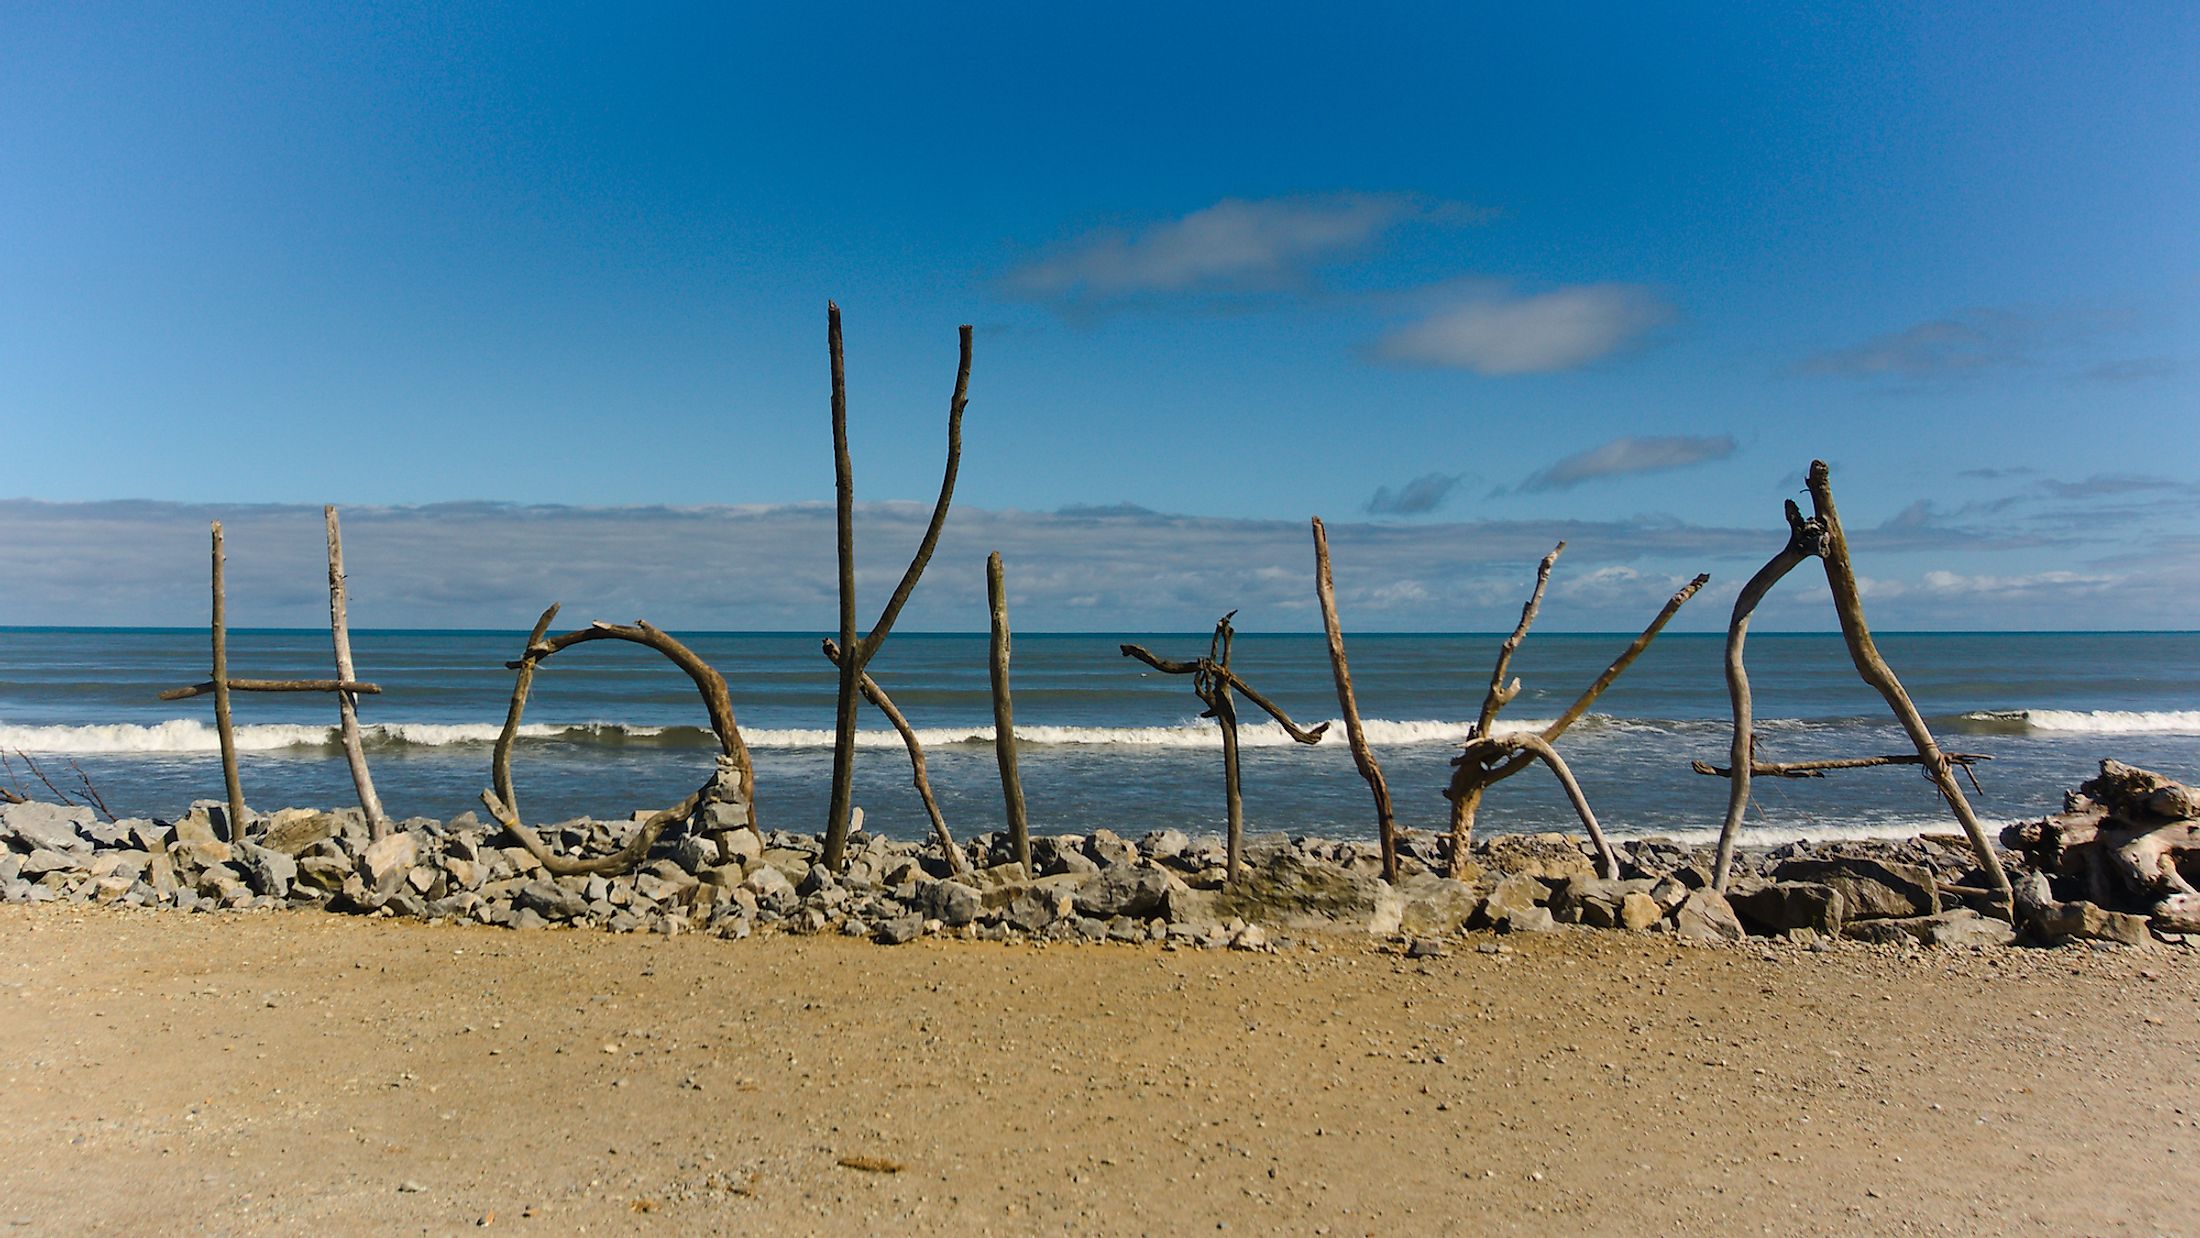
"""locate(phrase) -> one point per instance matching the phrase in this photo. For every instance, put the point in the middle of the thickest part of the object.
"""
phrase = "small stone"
(899, 931)
(1425, 948)
(1706, 916)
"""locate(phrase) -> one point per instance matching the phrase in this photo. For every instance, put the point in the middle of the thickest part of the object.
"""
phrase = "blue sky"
(1469, 276)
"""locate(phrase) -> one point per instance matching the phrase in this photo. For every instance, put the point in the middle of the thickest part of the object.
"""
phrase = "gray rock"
(1436, 906)
(1555, 856)
(1425, 948)
(1164, 844)
(2084, 921)
(1124, 890)
(952, 903)
(899, 931)
(385, 863)
(1032, 909)
(1293, 890)
(321, 873)
(269, 871)
(1870, 889)
(292, 830)
(1706, 916)
(51, 827)
(550, 901)
(1640, 912)
(741, 845)
(1783, 906)
(1514, 895)
(1531, 920)
(106, 833)
(1107, 849)
(47, 860)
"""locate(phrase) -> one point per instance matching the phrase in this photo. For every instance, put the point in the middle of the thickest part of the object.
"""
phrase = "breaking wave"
(2088, 721)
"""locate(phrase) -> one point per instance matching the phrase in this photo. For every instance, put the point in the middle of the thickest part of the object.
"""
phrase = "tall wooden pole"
(347, 704)
(851, 666)
(1848, 604)
(1805, 540)
(1225, 710)
(1004, 723)
(1386, 824)
(222, 725)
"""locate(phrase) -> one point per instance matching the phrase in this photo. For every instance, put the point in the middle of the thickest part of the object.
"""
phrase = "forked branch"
(918, 772)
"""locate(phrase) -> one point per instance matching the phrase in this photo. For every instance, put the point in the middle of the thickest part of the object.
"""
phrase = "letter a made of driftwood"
(917, 771)
(1325, 591)
(1213, 682)
(861, 649)
(731, 789)
(1821, 537)
(1489, 757)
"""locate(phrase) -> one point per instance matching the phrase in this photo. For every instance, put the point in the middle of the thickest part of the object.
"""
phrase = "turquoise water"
(1105, 741)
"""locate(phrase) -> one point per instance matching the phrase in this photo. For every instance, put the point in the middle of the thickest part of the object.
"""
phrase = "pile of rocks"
(1162, 887)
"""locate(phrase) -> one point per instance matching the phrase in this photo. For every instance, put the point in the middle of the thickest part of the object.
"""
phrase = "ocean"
(1104, 741)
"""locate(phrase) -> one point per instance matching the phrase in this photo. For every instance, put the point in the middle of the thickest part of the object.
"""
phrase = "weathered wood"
(1848, 605)
(862, 649)
(1213, 682)
(273, 685)
(1363, 759)
(222, 724)
(1538, 747)
(347, 703)
(1806, 540)
(1004, 719)
(1818, 769)
(503, 802)
(917, 769)
(1471, 774)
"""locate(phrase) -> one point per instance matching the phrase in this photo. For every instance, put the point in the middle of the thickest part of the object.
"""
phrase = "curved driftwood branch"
(1607, 862)
(1004, 713)
(862, 649)
(918, 772)
(1223, 674)
(1848, 604)
(1473, 772)
(1363, 759)
(1806, 539)
(503, 803)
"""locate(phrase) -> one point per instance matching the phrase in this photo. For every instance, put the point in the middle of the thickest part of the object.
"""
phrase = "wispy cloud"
(2129, 370)
(1973, 341)
(1490, 329)
(1621, 456)
(1421, 495)
(1235, 245)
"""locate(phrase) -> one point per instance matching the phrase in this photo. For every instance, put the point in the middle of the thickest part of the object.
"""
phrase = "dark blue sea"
(1104, 741)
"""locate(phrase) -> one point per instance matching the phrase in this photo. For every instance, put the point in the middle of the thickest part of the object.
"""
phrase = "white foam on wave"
(2101, 721)
(185, 735)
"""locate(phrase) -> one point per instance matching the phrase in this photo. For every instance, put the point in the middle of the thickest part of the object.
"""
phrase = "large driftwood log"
(1818, 769)
(1004, 712)
(1848, 605)
(1363, 759)
(861, 649)
(347, 702)
(207, 687)
(2126, 838)
(917, 769)
(502, 800)
(1213, 682)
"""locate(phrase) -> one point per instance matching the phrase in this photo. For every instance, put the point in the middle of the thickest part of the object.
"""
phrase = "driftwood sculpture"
(1213, 681)
(1325, 591)
(885, 704)
(344, 686)
(2128, 838)
(1488, 757)
(1821, 537)
(1004, 715)
(732, 787)
(861, 649)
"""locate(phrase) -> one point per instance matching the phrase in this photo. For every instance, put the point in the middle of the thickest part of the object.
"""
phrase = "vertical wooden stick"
(851, 667)
(1848, 603)
(1225, 710)
(347, 704)
(1004, 723)
(222, 724)
(1325, 590)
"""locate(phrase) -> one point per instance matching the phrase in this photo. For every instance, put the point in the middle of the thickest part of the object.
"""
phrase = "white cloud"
(1492, 331)
(1621, 456)
(1233, 246)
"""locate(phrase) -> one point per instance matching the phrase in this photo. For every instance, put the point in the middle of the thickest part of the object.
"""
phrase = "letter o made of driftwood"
(502, 801)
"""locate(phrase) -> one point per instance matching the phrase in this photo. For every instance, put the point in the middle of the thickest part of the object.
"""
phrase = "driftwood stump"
(1004, 713)
(2127, 838)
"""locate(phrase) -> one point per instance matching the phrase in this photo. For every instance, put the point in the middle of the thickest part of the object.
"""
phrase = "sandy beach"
(278, 1072)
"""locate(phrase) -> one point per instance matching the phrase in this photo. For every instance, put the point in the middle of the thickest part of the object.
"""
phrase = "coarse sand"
(299, 1072)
